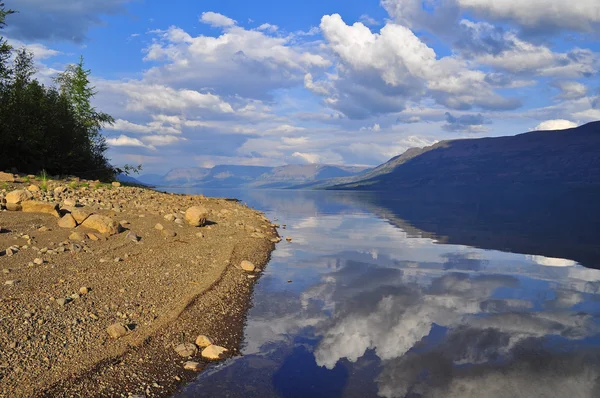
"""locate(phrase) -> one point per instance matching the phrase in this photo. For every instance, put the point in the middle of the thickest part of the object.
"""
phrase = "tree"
(5, 48)
(74, 84)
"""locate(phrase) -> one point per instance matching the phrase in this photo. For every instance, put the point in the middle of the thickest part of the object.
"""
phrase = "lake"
(428, 296)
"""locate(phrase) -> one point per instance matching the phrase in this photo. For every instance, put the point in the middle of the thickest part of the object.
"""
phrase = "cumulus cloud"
(216, 20)
(126, 141)
(570, 90)
(558, 124)
(247, 63)
(60, 19)
(465, 123)
(379, 72)
(583, 15)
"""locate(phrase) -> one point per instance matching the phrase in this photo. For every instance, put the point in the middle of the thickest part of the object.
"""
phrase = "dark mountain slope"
(569, 156)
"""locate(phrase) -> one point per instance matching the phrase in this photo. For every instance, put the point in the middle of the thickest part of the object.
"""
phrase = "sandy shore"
(59, 294)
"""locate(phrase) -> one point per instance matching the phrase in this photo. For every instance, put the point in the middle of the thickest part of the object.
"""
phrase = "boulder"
(102, 224)
(67, 222)
(18, 196)
(196, 216)
(116, 184)
(214, 352)
(33, 206)
(203, 341)
(80, 215)
(116, 330)
(7, 177)
(13, 207)
(77, 236)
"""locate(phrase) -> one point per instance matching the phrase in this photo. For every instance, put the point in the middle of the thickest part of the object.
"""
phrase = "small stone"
(186, 350)
(74, 296)
(83, 290)
(92, 236)
(38, 261)
(200, 235)
(214, 352)
(247, 266)
(203, 341)
(33, 188)
(116, 184)
(168, 233)
(102, 224)
(118, 259)
(191, 365)
(116, 330)
(132, 237)
(67, 221)
(43, 229)
(159, 227)
(288, 239)
(11, 282)
(170, 217)
(61, 301)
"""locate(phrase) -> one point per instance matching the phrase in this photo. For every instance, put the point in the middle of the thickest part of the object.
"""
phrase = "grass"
(4, 185)
(43, 177)
(26, 179)
(102, 185)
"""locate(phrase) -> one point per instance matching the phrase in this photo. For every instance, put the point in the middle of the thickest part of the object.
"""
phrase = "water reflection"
(382, 305)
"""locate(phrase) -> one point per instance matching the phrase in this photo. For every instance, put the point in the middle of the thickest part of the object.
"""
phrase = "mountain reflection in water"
(435, 295)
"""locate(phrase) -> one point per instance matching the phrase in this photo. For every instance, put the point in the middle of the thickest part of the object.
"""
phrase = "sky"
(264, 82)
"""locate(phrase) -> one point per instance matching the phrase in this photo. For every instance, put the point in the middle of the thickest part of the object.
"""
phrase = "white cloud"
(162, 140)
(580, 15)
(268, 27)
(126, 141)
(570, 90)
(552, 262)
(558, 124)
(216, 20)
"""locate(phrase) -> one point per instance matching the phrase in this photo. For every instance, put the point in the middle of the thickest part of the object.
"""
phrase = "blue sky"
(268, 82)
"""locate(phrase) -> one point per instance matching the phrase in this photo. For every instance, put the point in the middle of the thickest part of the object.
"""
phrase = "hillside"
(231, 176)
(539, 157)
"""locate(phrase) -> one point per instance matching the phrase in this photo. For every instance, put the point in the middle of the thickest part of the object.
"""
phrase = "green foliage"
(43, 177)
(54, 129)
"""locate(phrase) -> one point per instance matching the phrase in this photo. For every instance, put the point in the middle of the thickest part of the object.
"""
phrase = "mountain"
(554, 157)
(232, 176)
(129, 180)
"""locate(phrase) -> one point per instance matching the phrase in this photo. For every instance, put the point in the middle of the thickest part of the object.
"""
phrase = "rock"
(200, 235)
(169, 233)
(170, 217)
(61, 301)
(11, 282)
(247, 266)
(116, 330)
(196, 216)
(116, 184)
(18, 196)
(214, 352)
(191, 365)
(33, 188)
(69, 203)
(7, 177)
(38, 261)
(13, 207)
(84, 290)
(59, 190)
(67, 221)
(43, 228)
(186, 350)
(77, 236)
(159, 227)
(132, 237)
(80, 215)
(102, 224)
(92, 236)
(33, 206)
(288, 239)
(203, 341)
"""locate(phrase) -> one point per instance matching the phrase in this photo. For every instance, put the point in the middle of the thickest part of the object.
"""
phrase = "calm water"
(461, 297)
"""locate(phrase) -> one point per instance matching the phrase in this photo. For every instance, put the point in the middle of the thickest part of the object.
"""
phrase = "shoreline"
(193, 286)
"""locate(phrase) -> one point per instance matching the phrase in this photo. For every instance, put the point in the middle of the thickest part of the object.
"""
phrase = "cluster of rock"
(209, 351)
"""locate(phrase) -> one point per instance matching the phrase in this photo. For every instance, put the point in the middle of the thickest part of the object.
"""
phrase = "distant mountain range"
(554, 157)
(230, 176)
